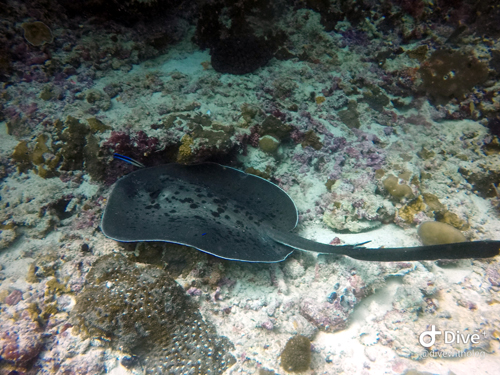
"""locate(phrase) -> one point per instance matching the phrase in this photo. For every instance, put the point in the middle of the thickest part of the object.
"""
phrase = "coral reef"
(370, 115)
(144, 312)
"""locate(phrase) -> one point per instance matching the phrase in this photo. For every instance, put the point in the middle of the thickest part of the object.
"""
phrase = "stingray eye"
(153, 195)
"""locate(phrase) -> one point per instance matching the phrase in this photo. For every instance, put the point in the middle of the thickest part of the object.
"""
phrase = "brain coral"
(146, 313)
(37, 33)
(296, 356)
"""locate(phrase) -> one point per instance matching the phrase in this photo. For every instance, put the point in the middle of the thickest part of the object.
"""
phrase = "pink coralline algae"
(335, 241)
(136, 146)
(327, 317)
(333, 144)
(358, 286)
(194, 291)
(267, 325)
(279, 115)
(14, 297)
(20, 341)
(253, 140)
(493, 276)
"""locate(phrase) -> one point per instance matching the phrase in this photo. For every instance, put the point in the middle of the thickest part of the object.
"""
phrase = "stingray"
(234, 215)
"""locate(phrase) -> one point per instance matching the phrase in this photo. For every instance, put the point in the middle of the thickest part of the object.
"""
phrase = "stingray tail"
(461, 250)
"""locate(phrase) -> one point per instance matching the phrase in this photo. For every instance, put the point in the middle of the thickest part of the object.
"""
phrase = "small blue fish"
(126, 159)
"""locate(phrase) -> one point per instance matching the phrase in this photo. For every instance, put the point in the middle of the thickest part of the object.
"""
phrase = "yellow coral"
(320, 99)
(408, 212)
(31, 276)
(40, 149)
(453, 220)
(54, 287)
(22, 156)
(185, 153)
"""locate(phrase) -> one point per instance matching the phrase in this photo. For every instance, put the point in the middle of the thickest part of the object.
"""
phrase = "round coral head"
(37, 33)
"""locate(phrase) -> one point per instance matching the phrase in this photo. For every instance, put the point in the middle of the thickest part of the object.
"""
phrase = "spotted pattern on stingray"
(144, 312)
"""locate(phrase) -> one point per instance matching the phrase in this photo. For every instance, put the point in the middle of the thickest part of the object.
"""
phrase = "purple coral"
(353, 37)
(268, 324)
(20, 341)
(194, 291)
(323, 315)
(14, 297)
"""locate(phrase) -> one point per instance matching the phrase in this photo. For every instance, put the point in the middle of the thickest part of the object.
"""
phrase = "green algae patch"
(425, 154)
(452, 219)
(329, 184)
(256, 172)
(408, 211)
(37, 33)
(433, 202)
(34, 311)
(274, 127)
(73, 137)
(450, 74)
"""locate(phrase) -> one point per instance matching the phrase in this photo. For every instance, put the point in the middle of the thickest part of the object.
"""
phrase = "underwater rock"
(241, 55)
(451, 74)
(21, 341)
(146, 313)
(350, 116)
(275, 127)
(323, 316)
